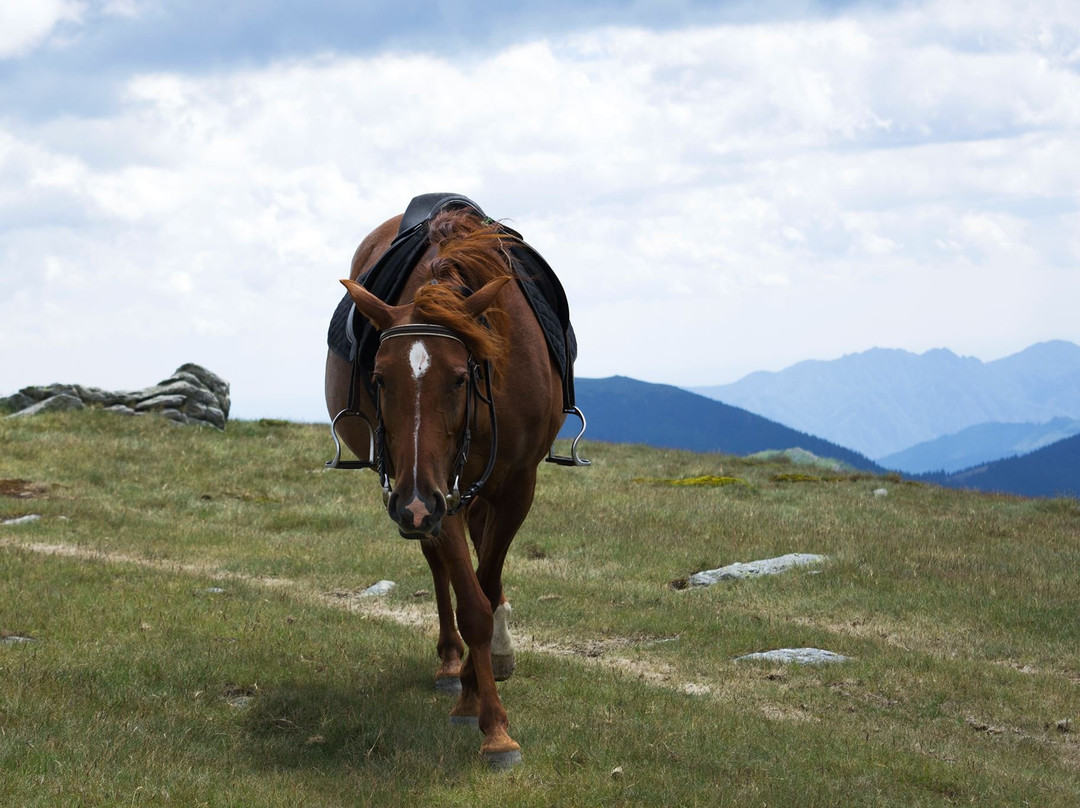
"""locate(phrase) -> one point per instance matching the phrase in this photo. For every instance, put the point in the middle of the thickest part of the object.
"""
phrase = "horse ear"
(380, 314)
(480, 300)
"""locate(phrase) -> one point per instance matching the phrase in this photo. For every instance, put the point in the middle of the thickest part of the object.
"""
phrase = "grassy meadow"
(181, 627)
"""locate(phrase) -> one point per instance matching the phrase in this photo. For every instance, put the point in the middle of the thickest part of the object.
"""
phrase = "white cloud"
(123, 8)
(25, 24)
(769, 193)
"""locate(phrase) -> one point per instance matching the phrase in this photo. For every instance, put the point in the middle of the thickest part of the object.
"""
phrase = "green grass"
(143, 686)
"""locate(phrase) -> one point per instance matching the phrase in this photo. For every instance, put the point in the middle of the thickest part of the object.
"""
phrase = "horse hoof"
(450, 685)
(465, 721)
(502, 665)
(502, 760)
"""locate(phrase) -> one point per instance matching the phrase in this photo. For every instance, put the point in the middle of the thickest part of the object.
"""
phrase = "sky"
(721, 187)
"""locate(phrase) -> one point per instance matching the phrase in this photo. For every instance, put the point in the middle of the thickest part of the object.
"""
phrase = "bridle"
(377, 460)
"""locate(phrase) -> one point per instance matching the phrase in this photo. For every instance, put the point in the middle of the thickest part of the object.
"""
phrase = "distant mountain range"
(1051, 471)
(622, 410)
(980, 444)
(883, 401)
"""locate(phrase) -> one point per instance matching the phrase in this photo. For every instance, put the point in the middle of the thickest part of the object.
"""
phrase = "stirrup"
(337, 462)
(574, 459)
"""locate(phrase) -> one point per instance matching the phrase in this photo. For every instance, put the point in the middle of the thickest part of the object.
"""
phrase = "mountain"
(978, 445)
(1048, 472)
(882, 401)
(622, 410)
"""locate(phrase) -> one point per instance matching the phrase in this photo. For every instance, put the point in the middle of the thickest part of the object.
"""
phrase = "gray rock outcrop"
(191, 395)
(752, 569)
(800, 656)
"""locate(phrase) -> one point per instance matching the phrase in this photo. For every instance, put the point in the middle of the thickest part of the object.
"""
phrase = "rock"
(57, 403)
(191, 395)
(16, 402)
(40, 393)
(210, 415)
(121, 409)
(180, 389)
(102, 398)
(214, 383)
(160, 403)
(752, 569)
(22, 520)
(801, 656)
(379, 589)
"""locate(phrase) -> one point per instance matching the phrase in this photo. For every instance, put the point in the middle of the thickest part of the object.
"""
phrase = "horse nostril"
(420, 516)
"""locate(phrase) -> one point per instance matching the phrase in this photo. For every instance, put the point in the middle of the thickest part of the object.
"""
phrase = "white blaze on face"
(419, 359)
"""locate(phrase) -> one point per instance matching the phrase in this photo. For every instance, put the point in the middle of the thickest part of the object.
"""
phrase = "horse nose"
(417, 516)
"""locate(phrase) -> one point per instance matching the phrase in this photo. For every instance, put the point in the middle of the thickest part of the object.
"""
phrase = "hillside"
(183, 623)
(623, 410)
(978, 445)
(883, 401)
(1048, 472)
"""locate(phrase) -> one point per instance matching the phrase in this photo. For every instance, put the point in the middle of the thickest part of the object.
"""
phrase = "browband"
(419, 330)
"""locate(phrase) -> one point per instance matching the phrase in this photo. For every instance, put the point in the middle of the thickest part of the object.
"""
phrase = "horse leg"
(500, 526)
(479, 695)
(502, 644)
(449, 647)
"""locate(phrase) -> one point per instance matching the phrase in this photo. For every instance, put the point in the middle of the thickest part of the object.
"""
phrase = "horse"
(460, 338)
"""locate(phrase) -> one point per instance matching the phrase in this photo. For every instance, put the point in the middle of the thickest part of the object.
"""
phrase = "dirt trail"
(420, 617)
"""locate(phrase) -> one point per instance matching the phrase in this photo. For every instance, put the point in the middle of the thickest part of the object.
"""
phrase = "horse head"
(423, 377)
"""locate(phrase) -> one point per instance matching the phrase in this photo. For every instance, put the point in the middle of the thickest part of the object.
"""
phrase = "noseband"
(455, 500)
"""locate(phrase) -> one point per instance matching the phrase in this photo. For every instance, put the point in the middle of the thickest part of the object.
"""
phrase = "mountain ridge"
(624, 410)
(979, 445)
(885, 400)
(1052, 471)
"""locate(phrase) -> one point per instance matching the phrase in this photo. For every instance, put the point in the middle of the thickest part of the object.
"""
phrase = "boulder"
(121, 409)
(57, 403)
(214, 383)
(191, 395)
(95, 396)
(16, 403)
(752, 569)
(378, 589)
(22, 520)
(799, 656)
(160, 403)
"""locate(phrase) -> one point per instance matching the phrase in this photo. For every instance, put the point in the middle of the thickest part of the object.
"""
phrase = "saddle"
(356, 340)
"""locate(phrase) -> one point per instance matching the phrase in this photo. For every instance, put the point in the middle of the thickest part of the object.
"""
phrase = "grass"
(185, 649)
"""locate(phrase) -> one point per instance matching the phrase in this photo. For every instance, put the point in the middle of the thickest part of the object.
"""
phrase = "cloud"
(25, 25)
(767, 192)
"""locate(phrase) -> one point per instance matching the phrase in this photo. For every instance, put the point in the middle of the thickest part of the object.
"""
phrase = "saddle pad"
(355, 339)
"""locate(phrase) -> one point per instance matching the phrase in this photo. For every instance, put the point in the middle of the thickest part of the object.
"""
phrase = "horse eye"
(461, 380)
(378, 381)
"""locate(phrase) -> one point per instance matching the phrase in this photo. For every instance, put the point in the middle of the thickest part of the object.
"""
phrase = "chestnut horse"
(446, 357)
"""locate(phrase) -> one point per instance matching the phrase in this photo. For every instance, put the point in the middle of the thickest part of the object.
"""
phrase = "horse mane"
(470, 252)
